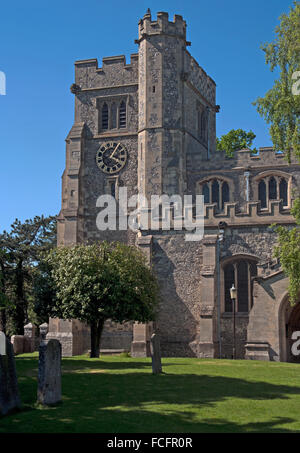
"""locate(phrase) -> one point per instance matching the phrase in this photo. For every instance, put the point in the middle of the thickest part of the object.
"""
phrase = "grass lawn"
(120, 395)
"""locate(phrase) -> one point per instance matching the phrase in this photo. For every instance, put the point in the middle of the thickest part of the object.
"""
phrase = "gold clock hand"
(114, 158)
(114, 150)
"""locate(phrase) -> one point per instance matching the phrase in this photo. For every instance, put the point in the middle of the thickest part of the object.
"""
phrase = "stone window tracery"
(273, 187)
(216, 191)
(112, 113)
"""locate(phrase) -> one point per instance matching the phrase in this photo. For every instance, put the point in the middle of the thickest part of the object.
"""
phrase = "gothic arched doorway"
(290, 322)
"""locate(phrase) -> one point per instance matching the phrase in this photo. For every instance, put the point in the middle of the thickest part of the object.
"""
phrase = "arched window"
(205, 192)
(242, 287)
(229, 279)
(122, 115)
(262, 194)
(283, 191)
(216, 191)
(113, 116)
(225, 193)
(273, 188)
(112, 113)
(239, 273)
(104, 116)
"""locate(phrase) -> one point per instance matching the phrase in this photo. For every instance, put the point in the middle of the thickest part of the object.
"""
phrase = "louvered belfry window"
(122, 115)
(112, 113)
(104, 116)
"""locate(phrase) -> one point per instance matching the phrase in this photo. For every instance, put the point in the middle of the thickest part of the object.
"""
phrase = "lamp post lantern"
(233, 293)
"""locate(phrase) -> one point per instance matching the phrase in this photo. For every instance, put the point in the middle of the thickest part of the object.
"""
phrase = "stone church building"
(150, 125)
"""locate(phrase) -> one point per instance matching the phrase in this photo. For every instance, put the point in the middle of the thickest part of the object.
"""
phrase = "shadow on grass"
(97, 400)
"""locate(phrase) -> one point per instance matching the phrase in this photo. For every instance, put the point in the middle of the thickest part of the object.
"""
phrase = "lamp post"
(233, 298)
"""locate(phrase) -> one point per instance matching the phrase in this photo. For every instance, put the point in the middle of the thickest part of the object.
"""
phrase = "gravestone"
(29, 334)
(155, 354)
(9, 392)
(2, 344)
(18, 344)
(49, 375)
(43, 331)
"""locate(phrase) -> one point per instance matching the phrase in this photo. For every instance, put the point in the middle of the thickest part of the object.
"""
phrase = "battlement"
(115, 71)
(162, 25)
(244, 158)
(108, 61)
(251, 215)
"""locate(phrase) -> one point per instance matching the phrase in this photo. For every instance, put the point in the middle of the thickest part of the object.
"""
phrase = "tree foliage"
(235, 140)
(103, 281)
(288, 251)
(280, 107)
(19, 255)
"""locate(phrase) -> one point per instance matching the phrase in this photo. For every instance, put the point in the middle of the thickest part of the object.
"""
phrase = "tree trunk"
(3, 310)
(21, 306)
(96, 331)
(3, 320)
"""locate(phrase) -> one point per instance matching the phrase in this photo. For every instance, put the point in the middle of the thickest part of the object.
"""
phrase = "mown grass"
(120, 395)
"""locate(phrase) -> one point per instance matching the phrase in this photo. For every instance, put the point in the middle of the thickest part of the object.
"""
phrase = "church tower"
(161, 160)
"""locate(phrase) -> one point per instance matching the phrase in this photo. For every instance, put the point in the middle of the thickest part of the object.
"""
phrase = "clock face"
(111, 157)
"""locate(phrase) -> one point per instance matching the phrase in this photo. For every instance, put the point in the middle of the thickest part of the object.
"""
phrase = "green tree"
(43, 292)
(280, 107)
(19, 254)
(288, 251)
(102, 281)
(235, 140)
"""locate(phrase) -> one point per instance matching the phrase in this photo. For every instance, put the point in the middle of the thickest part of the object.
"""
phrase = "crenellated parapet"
(244, 158)
(252, 214)
(115, 71)
(162, 25)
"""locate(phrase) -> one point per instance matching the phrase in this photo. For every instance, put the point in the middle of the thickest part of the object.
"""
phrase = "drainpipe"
(220, 239)
(247, 174)
(208, 135)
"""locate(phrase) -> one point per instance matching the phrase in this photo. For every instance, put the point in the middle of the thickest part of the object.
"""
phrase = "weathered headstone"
(49, 375)
(43, 331)
(2, 343)
(9, 393)
(18, 344)
(155, 354)
(29, 340)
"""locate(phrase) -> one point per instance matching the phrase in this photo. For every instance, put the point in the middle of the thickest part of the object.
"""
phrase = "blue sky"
(39, 42)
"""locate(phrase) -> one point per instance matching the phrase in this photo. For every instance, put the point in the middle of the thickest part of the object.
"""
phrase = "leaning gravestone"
(9, 393)
(155, 354)
(49, 376)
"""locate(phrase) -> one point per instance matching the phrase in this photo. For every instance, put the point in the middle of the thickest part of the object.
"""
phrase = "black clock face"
(111, 157)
